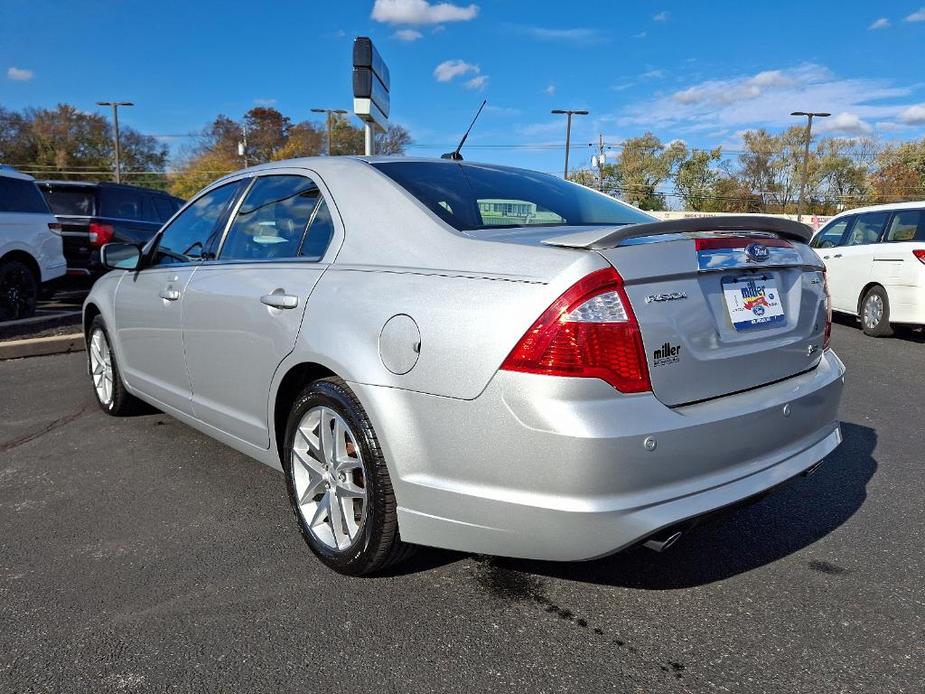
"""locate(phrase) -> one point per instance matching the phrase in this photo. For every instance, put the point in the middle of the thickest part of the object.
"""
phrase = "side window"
(21, 195)
(120, 204)
(164, 207)
(192, 235)
(867, 229)
(320, 233)
(831, 235)
(908, 225)
(272, 219)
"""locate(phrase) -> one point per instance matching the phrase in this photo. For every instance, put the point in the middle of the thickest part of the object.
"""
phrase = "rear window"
(120, 203)
(908, 225)
(21, 195)
(470, 197)
(69, 200)
(165, 207)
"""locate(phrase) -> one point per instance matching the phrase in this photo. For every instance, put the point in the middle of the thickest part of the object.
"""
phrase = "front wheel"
(111, 395)
(875, 313)
(338, 483)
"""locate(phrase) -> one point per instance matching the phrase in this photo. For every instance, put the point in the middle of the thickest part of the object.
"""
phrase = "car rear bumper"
(562, 469)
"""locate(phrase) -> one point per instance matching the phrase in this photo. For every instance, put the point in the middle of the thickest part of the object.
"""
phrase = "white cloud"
(265, 102)
(448, 70)
(19, 74)
(550, 90)
(881, 23)
(477, 82)
(640, 35)
(845, 123)
(914, 115)
(575, 35)
(653, 74)
(662, 16)
(407, 35)
(767, 98)
(917, 16)
(421, 12)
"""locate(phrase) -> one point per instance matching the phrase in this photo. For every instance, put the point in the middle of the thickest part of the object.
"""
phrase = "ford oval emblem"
(757, 252)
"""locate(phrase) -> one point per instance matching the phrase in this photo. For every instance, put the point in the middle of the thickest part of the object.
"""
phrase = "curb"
(41, 346)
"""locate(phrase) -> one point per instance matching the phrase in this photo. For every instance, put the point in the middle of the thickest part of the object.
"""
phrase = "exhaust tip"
(660, 544)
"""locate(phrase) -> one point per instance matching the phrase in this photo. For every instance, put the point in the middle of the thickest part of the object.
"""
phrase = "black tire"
(122, 403)
(19, 290)
(875, 313)
(377, 545)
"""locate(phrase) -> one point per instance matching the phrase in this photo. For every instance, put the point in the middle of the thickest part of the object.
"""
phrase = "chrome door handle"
(169, 294)
(280, 300)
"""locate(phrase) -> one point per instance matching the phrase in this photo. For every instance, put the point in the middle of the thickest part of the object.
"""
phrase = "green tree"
(644, 163)
(696, 177)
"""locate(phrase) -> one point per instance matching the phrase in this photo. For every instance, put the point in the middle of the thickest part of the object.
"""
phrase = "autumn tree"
(899, 173)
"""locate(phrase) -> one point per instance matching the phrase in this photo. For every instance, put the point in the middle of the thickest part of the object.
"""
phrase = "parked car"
(557, 385)
(875, 258)
(93, 214)
(31, 259)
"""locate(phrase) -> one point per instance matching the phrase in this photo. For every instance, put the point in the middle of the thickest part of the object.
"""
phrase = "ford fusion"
(474, 357)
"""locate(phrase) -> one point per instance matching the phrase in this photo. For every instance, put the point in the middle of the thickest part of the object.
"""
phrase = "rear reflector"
(100, 234)
(920, 254)
(588, 332)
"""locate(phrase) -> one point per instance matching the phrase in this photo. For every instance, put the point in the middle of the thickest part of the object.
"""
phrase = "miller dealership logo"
(666, 354)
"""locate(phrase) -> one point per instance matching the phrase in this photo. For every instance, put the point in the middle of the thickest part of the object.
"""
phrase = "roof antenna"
(455, 155)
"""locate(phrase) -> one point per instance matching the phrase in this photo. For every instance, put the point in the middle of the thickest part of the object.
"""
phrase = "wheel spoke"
(326, 434)
(336, 519)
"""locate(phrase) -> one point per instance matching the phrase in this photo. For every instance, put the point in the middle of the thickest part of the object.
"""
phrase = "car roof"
(10, 172)
(914, 205)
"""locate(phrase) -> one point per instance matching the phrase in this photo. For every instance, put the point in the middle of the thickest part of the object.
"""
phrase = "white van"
(31, 255)
(875, 260)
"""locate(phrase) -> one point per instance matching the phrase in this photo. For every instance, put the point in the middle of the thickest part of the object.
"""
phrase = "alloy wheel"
(17, 293)
(101, 366)
(873, 311)
(329, 479)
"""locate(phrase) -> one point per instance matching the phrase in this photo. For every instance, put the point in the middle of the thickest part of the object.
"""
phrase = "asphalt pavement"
(139, 555)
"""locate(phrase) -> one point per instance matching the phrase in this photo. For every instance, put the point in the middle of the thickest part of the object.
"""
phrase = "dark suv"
(93, 214)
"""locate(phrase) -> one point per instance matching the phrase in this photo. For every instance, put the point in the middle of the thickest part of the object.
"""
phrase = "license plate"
(752, 301)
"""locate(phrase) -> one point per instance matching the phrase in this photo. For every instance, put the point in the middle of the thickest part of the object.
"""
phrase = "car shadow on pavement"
(800, 513)
(908, 333)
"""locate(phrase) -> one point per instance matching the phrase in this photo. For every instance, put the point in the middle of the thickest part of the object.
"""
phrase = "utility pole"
(330, 121)
(568, 130)
(600, 160)
(115, 130)
(242, 146)
(809, 131)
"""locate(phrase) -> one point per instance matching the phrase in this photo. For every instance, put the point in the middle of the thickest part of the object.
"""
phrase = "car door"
(855, 259)
(149, 302)
(242, 313)
(828, 244)
(894, 261)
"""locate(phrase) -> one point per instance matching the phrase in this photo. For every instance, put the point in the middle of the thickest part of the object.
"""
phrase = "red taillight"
(710, 243)
(920, 254)
(100, 234)
(588, 332)
(827, 336)
(54, 227)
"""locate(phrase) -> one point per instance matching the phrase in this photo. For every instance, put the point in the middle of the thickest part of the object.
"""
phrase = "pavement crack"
(38, 433)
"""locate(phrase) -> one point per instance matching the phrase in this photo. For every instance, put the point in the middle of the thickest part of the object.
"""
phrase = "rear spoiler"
(609, 237)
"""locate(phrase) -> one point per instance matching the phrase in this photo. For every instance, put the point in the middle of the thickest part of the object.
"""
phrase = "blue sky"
(701, 72)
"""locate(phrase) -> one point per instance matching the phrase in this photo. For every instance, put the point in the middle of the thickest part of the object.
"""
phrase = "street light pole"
(330, 121)
(115, 130)
(568, 130)
(809, 131)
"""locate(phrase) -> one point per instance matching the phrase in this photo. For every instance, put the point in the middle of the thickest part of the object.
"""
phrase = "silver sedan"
(474, 357)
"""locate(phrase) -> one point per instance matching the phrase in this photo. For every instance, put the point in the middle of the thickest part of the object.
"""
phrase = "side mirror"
(120, 256)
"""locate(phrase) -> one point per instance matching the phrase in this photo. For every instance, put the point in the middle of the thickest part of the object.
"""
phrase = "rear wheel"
(111, 395)
(338, 483)
(875, 313)
(19, 289)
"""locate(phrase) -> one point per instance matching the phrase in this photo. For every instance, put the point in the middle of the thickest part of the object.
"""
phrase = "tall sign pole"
(371, 85)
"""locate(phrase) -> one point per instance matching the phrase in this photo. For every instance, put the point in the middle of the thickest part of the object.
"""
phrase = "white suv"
(875, 259)
(31, 254)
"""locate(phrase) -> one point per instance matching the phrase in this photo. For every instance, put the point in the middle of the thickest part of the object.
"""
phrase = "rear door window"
(866, 229)
(120, 203)
(907, 225)
(70, 201)
(21, 195)
(272, 219)
(831, 235)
